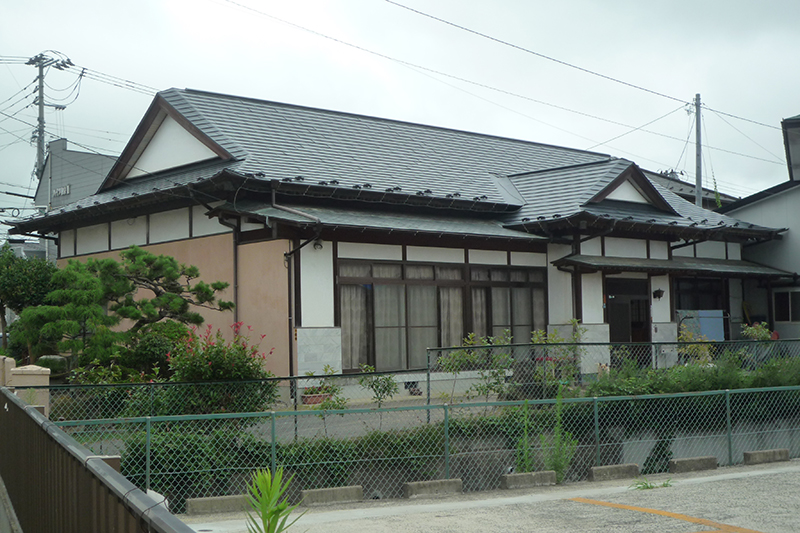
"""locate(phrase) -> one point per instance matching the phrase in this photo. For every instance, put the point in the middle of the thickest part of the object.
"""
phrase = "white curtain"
(356, 325)
(390, 322)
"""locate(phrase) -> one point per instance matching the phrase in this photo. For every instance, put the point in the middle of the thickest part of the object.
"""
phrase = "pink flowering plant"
(208, 357)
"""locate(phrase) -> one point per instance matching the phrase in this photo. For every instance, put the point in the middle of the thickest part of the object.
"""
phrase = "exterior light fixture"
(318, 245)
(658, 293)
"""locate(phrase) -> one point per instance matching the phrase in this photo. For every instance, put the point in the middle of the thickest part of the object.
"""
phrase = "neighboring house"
(68, 176)
(777, 302)
(349, 239)
(671, 181)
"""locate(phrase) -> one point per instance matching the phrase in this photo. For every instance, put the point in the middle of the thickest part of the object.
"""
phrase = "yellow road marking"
(702, 521)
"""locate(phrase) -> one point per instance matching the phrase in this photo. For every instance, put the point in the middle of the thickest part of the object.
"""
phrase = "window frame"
(465, 284)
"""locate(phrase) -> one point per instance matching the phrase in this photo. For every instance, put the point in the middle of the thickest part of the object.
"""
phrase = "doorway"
(628, 304)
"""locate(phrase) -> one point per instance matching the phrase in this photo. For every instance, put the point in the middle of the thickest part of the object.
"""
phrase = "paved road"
(756, 499)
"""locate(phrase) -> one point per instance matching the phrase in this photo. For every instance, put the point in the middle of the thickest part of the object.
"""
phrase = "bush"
(186, 463)
(209, 358)
(148, 348)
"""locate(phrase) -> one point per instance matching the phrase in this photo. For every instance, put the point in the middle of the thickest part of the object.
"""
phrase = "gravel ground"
(738, 499)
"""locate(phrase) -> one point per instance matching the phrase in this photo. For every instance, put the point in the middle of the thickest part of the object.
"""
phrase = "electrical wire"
(686, 144)
(635, 129)
(560, 62)
(477, 84)
(719, 115)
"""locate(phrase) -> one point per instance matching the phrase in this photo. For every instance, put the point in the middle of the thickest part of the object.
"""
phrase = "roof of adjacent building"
(686, 266)
(320, 155)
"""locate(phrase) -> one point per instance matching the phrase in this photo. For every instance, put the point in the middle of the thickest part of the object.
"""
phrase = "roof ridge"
(384, 119)
(610, 159)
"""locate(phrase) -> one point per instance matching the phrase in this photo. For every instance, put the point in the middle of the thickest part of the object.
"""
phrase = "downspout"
(289, 281)
(235, 229)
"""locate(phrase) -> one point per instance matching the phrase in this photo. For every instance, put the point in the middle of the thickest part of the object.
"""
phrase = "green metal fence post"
(728, 424)
(446, 442)
(428, 383)
(151, 385)
(596, 433)
(274, 440)
(147, 455)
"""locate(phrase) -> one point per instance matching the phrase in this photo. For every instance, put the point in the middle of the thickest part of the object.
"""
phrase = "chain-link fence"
(381, 449)
(454, 375)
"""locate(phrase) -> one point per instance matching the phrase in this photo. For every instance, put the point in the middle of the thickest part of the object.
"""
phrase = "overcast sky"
(376, 58)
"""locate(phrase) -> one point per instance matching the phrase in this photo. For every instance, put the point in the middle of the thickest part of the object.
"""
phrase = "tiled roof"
(383, 220)
(318, 153)
(681, 265)
(285, 141)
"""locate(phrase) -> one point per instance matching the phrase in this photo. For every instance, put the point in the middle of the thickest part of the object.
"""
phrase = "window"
(390, 313)
(699, 294)
(787, 306)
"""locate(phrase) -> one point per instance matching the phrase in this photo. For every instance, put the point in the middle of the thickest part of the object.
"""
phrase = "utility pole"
(42, 61)
(698, 150)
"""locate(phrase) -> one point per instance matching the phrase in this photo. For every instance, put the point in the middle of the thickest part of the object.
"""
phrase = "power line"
(475, 83)
(564, 63)
(635, 129)
(779, 158)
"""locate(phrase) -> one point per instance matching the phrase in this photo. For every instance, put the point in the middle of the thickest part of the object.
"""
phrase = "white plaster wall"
(592, 298)
(129, 231)
(711, 249)
(778, 211)
(788, 330)
(616, 247)
(528, 259)
(592, 356)
(318, 347)
(592, 247)
(66, 241)
(660, 309)
(171, 146)
(659, 250)
(435, 255)
(626, 192)
(734, 251)
(559, 286)
(357, 250)
(202, 225)
(91, 239)
(488, 257)
(316, 286)
(665, 355)
(169, 225)
(250, 226)
(685, 251)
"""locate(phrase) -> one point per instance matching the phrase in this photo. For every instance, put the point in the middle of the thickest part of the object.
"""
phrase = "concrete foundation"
(354, 493)
(527, 480)
(605, 473)
(692, 464)
(766, 456)
(432, 488)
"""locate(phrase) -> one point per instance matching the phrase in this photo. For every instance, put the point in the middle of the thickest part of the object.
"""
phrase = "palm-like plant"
(267, 497)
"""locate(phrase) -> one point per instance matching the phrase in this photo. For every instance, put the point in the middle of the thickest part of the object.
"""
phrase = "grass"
(643, 484)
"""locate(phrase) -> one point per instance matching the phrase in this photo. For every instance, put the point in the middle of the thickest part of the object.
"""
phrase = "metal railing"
(198, 456)
(55, 484)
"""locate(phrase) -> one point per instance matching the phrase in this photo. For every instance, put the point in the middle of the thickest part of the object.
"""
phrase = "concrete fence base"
(605, 473)
(432, 488)
(527, 480)
(354, 493)
(766, 456)
(217, 504)
(692, 464)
